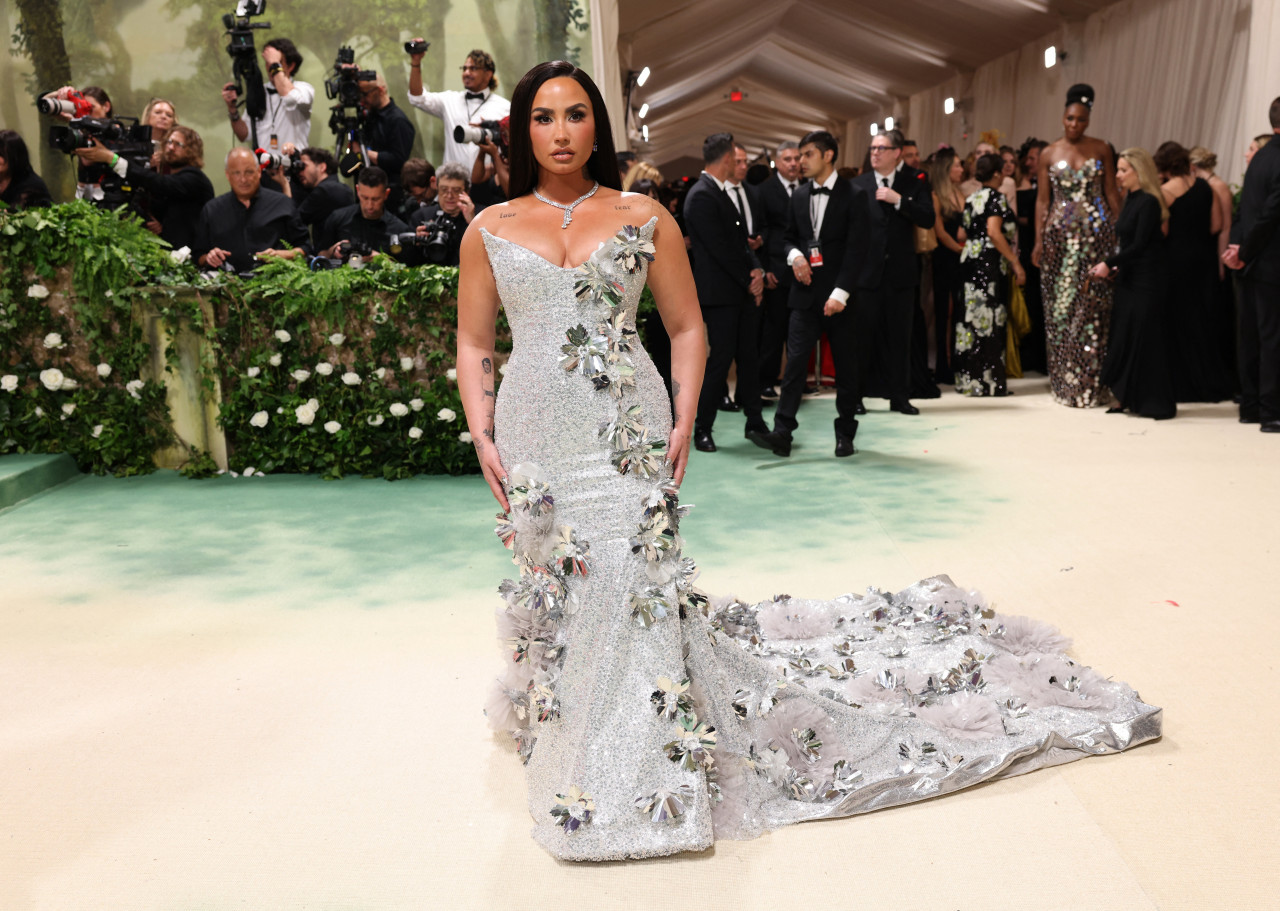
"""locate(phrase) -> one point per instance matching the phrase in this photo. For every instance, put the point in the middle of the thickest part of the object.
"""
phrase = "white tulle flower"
(104, 370)
(399, 409)
(415, 433)
(332, 426)
(51, 378)
(447, 414)
(260, 419)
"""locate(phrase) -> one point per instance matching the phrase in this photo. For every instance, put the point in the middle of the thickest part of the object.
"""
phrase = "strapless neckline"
(543, 259)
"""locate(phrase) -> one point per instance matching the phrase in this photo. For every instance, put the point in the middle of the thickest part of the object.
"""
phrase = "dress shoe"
(1270, 427)
(777, 443)
(859, 408)
(769, 393)
(702, 441)
(812, 390)
(903, 408)
(1116, 409)
(729, 405)
(1250, 417)
(844, 446)
(757, 428)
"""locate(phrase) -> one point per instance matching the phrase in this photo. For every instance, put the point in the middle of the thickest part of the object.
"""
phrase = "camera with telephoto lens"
(271, 161)
(487, 131)
(346, 250)
(128, 140)
(244, 57)
(436, 240)
(397, 243)
(416, 47)
(75, 104)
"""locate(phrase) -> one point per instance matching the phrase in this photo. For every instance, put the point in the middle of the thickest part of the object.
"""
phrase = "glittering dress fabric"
(653, 719)
(980, 332)
(1079, 234)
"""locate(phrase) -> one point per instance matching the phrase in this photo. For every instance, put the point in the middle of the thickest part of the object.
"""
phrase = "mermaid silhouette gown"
(653, 719)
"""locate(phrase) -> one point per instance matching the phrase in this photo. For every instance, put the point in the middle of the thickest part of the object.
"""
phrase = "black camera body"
(128, 140)
(347, 117)
(416, 47)
(436, 240)
(487, 131)
(344, 86)
(244, 56)
(346, 250)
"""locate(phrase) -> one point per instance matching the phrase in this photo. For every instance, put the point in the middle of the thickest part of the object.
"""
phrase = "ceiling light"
(644, 109)
(1050, 56)
(949, 106)
(643, 77)
(644, 131)
(888, 123)
(875, 128)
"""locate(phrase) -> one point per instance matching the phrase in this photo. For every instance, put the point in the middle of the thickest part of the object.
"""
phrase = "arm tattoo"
(675, 407)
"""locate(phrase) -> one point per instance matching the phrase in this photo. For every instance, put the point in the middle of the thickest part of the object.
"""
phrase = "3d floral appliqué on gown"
(654, 719)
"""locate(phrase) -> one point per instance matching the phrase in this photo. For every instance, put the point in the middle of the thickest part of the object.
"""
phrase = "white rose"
(301, 375)
(451, 373)
(9, 383)
(104, 370)
(39, 412)
(274, 360)
(375, 421)
(279, 409)
(260, 419)
(133, 387)
(446, 414)
(351, 379)
(406, 363)
(324, 368)
(416, 404)
(283, 335)
(313, 404)
(305, 413)
(68, 383)
(332, 426)
(53, 340)
(502, 369)
(39, 292)
(180, 255)
(381, 373)
(464, 437)
(415, 433)
(337, 338)
(97, 431)
(398, 409)
(253, 371)
(52, 379)
(69, 408)
(248, 472)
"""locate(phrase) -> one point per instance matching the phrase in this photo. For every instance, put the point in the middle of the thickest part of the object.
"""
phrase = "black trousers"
(947, 305)
(806, 327)
(732, 336)
(775, 317)
(884, 319)
(1259, 350)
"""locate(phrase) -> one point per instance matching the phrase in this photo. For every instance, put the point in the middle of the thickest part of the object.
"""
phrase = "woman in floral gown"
(652, 718)
(985, 263)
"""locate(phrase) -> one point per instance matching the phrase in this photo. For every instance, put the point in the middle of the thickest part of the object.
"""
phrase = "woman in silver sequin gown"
(653, 719)
(1075, 228)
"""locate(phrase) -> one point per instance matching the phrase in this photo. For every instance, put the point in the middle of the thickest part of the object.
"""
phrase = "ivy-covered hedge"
(335, 372)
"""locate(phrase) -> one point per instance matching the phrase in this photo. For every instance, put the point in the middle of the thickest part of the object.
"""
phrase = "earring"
(595, 146)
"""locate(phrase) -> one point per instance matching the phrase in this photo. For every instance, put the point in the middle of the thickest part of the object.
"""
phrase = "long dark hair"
(14, 152)
(603, 163)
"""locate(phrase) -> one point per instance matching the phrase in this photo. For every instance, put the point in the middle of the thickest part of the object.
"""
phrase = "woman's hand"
(1035, 255)
(678, 453)
(494, 474)
(1019, 273)
(1101, 270)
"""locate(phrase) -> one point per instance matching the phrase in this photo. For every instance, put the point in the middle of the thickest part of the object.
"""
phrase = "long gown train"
(654, 719)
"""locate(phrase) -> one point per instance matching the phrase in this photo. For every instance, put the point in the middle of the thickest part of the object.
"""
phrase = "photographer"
(20, 186)
(491, 171)
(387, 134)
(178, 188)
(240, 227)
(475, 103)
(451, 214)
(288, 115)
(92, 180)
(418, 180)
(366, 225)
(323, 193)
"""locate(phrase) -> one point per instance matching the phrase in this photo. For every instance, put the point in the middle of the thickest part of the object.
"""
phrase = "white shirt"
(455, 109)
(887, 181)
(733, 189)
(288, 118)
(788, 185)
(817, 212)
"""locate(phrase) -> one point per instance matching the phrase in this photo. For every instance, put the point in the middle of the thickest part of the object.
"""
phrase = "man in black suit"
(730, 282)
(824, 224)
(1255, 250)
(774, 198)
(745, 201)
(897, 201)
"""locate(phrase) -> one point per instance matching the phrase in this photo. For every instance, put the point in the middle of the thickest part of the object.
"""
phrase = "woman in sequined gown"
(985, 261)
(1075, 206)
(653, 719)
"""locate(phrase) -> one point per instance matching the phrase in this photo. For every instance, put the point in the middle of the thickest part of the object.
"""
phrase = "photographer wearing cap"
(288, 115)
(246, 224)
(367, 224)
(388, 133)
(447, 220)
(475, 103)
(178, 188)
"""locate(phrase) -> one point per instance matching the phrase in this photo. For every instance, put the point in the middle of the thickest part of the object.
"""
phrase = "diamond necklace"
(568, 208)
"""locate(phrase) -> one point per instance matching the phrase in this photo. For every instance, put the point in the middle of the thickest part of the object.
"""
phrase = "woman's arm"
(1222, 202)
(1109, 185)
(995, 230)
(671, 281)
(1042, 203)
(477, 317)
(941, 232)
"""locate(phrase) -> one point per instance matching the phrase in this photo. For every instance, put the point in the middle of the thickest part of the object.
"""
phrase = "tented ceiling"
(808, 64)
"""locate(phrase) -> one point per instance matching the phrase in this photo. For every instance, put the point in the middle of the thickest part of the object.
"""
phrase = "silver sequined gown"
(654, 720)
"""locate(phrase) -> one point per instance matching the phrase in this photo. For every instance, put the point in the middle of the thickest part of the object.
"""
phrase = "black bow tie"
(814, 191)
(478, 95)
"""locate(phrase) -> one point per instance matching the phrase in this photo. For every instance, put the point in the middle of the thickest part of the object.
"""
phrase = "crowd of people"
(951, 270)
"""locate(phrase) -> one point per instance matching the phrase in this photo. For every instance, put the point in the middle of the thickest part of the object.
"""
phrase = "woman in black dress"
(1032, 347)
(946, 172)
(1137, 364)
(1198, 372)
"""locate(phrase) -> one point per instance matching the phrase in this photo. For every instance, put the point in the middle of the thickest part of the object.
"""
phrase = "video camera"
(347, 117)
(244, 66)
(124, 136)
(492, 132)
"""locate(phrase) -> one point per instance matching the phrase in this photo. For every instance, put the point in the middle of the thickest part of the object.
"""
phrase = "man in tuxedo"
(774, 206)
(824, 224)
(897, 201)
(1255, 250)
(730, 283)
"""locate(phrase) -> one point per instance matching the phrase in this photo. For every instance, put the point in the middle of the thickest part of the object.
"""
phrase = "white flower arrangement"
(260, 419)
(332, 426)
(399, 409)
(324, 368)
(351, 378)
(415, 433)
(446, 414)
(104, 370)
(502, 369)
(52, 378)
